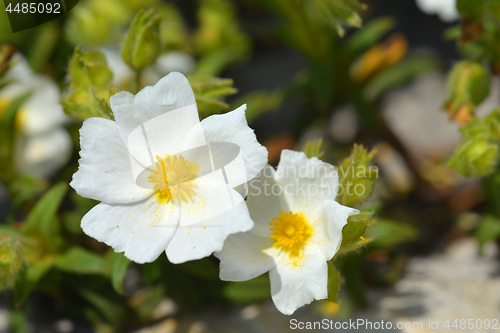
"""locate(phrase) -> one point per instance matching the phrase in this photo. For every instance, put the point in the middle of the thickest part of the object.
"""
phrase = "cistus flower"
(298, 228)
(166, 180)
(445, 9)
(42, 145)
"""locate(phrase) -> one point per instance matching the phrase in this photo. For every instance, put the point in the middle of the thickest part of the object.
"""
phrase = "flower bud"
(476, 157)
(468, 85)
(142, 44)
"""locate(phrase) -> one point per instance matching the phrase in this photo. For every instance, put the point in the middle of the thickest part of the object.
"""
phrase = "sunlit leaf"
(80, 261)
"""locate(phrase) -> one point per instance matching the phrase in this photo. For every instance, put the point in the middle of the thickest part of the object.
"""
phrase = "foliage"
(42, 246)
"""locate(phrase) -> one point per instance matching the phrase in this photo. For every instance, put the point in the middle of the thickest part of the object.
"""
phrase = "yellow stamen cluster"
(177, 171)
(290, 233)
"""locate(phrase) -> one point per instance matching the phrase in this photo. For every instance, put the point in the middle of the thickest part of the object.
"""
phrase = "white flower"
(174, 204)
(42, 145)
(445, 9)
(298, 228)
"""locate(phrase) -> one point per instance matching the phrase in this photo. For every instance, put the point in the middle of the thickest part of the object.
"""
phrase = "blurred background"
(415, 82)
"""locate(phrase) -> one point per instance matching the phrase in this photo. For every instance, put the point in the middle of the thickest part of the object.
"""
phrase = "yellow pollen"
(290, 232)
(177, 171)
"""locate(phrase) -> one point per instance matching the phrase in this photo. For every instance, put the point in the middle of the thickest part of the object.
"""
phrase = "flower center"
(172, 178)
(290, 232)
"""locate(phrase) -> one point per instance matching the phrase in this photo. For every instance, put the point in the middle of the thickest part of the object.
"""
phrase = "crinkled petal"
(265, 201)
(232, 127)
(170, 93)
(43, 154)
(327, 222)
(142, 230)
(296, 282)
(306, 182)
(200, 240)
(242, 257)
(105, 173)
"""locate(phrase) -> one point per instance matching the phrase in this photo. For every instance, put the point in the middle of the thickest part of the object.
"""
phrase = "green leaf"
(333, 282)
(18, 322)
(28, 280)
(313, 148)
(398, 74)
(209, 92)
(249, 291)
(354, 230)
(357, 178)
(119, 264)
(489, 230)
(371, 32)
(387, 233)
(26, 187)
(80, 261)
(142, 43)
(42, 219)
(111, 309)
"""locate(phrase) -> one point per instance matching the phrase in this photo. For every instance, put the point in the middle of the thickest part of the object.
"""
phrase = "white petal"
(142, 230)
(233, 127)
(295, 283)
(170, 93)
(200, 240)
(42, 111)
(43, 154)
(265, 201)
(242, 257)
(105, 173)
(306, 182)
(327, 222)
(20, 71)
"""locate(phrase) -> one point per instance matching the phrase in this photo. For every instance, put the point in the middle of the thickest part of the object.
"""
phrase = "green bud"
(91, 86)
(142, 44)
(313, 148)
(11, 259)
(339, 13)
(476, 157)
(468, 85)
(89, 69)
(357, 178)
